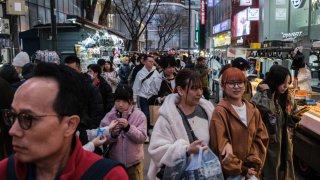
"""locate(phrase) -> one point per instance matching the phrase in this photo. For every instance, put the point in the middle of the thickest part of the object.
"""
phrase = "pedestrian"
(142, 88)
(170, 141)
(244, 66)
(124, 70)
(110, 75)
(273, 100)
(202, 68)
(130, 133)
(45, 113)
(94, 71)
(6, 96)
(166, 80)
(21, 59)
(237, 132)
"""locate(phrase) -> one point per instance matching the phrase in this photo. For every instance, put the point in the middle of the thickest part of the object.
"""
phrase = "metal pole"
(53, 25)
(147, 39)
(189, 39)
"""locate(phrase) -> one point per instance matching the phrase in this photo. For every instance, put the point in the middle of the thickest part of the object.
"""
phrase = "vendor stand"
(100, 45)
(306, 140)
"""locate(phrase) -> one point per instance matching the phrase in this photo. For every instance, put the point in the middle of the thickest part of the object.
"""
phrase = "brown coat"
(249, 143)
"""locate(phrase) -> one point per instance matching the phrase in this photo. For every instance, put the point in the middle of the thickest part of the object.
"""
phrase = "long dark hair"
(111, 67)
(277, 76)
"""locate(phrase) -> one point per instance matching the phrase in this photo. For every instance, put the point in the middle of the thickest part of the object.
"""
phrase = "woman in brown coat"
(237, 132)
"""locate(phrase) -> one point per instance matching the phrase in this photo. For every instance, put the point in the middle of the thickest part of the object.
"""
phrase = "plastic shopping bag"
(204, 165)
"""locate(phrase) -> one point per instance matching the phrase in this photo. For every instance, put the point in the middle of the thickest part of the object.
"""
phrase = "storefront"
(93, 41)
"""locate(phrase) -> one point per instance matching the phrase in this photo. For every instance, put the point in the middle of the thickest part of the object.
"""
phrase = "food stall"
(306, 140)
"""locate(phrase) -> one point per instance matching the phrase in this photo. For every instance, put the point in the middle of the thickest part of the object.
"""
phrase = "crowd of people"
(80, 125)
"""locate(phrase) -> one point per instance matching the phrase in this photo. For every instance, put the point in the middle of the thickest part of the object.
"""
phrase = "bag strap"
(11, 171)
(192, 137)
(100, 168)
(148, 76)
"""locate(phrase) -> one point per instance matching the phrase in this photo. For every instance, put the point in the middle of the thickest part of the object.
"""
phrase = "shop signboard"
(4, 26)
(202, 12)
(245, 2)
(253, 14)
(223, 26)
(292, 35)
(222, 39)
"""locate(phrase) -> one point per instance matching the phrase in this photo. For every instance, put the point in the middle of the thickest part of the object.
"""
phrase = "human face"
(107, 66)
(234, 89)
(92, 74)
(122, 105)
(149, 63)
(46, 136)
(284, 86)
(168, 71)
(192, 96)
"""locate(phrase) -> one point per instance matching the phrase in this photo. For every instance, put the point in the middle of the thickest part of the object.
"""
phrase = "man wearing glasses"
(44, 116)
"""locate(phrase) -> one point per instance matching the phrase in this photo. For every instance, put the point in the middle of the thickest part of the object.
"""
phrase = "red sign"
(203, 12)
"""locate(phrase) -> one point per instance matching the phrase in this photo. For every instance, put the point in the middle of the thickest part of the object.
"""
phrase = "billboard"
(241, 25)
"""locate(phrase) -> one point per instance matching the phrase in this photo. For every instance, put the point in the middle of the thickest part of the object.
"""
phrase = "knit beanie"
(21, 59)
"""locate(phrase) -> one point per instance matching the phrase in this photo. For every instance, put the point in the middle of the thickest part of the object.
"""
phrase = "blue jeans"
(144, 106)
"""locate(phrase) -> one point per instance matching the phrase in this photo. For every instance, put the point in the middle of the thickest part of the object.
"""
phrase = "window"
(33, 12)
(41, 15)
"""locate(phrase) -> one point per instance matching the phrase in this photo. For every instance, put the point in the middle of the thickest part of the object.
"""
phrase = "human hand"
(251, 172)
(99, 140)
(113, 124)
(194, 147)
(264, 86)
(227, 152)
(123, 122)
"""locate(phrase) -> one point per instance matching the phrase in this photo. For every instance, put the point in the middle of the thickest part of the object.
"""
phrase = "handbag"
(154, 113)
(204, 165)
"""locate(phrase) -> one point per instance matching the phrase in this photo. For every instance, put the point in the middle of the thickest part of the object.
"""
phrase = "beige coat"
(249, 143)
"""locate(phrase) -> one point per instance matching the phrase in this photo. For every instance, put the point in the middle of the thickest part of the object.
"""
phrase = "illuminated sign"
(253, 14)
(223, 26)
(291, 35)
(202, 12)
(245, 2)
(210, 3)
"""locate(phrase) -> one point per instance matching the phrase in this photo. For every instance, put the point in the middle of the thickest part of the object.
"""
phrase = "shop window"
(41, 2)
(60, 5)
(62, 18)
(41, 15)
(71, 5)
(47, 3)
(48, 16)
(66, 7)
(33, 1)
(315, 12)
(24, 21)
(33, 12)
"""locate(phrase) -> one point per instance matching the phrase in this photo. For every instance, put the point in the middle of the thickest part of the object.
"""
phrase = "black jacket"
(107, 95)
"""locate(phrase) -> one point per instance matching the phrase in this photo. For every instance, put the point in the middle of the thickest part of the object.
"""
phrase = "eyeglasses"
(232, 84)
(24, 119)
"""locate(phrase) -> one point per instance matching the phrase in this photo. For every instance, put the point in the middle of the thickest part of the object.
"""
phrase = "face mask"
(91, 75)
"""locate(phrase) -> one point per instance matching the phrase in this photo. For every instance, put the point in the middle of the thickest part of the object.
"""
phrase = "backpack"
(97, 171)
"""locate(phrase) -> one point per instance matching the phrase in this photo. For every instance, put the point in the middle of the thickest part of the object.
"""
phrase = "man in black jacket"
(94, 109)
